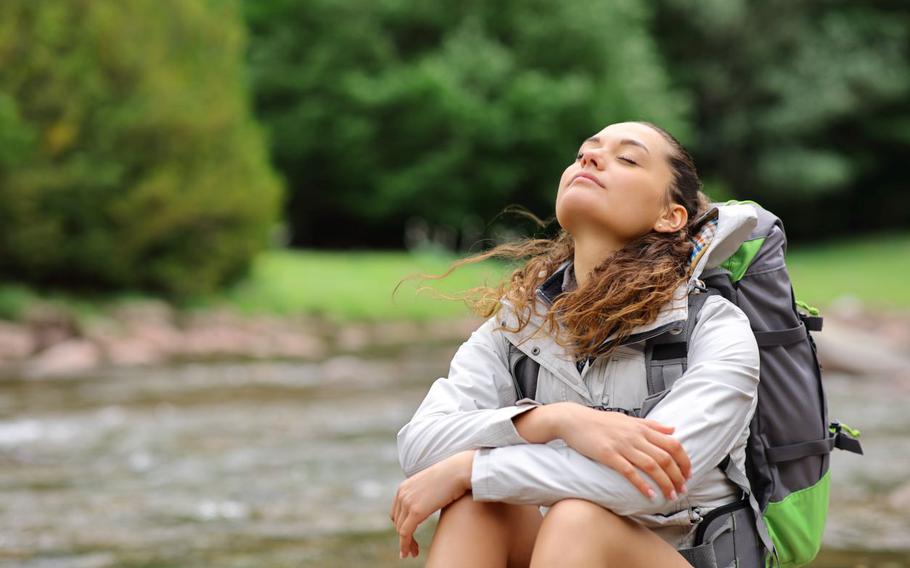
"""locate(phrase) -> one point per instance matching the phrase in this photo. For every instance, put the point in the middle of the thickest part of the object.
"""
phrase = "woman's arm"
(620, 442)
(710, 406)
(471, 408)
(475, 407)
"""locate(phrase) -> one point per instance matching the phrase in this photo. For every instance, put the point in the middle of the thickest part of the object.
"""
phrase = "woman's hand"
(427, 491)
(621, 442)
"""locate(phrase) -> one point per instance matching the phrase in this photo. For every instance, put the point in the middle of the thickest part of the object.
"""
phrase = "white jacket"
(710, 405)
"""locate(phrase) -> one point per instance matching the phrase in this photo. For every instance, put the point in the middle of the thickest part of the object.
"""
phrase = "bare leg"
(576, 533)
(484, 534)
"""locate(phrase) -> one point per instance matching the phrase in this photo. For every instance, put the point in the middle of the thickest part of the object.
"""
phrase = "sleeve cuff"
(482, 482)
(503, 431)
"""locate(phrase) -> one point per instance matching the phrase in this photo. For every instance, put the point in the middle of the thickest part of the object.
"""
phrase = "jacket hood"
(720, 232)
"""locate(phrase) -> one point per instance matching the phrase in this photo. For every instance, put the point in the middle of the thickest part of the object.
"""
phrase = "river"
(282, 463)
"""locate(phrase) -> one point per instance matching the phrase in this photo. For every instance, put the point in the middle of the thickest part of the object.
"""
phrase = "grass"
(874, 270)
(355, 285)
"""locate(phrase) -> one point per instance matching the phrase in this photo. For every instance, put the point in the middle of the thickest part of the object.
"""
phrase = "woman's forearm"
(543, 423)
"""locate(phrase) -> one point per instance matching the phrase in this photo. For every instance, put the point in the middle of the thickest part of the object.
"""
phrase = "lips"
(586, 176)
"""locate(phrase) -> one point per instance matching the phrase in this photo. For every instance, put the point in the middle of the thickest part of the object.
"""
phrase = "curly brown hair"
(627, 290)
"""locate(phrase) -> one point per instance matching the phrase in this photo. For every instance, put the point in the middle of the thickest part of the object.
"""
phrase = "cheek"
(636, 211)
(564, 178)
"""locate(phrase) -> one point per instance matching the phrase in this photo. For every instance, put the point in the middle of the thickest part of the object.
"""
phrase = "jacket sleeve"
(471, 408)
(710, 405)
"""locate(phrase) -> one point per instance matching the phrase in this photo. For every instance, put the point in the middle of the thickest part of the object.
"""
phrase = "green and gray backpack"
(791, 438)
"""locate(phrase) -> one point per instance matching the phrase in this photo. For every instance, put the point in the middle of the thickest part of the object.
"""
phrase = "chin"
(578, 206)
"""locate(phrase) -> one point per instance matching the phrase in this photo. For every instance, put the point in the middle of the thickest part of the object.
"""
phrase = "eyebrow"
(621, 142)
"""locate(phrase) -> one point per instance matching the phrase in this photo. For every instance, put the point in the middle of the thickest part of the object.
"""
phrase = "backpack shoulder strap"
(666, 355)
(524, 373)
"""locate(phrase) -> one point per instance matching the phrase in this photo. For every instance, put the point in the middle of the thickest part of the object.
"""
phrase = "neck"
(590, 252)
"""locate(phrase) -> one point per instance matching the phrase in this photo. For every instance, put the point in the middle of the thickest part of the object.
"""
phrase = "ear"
(673, 219)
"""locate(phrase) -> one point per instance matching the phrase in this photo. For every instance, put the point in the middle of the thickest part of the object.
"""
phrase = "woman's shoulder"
(719, 308)
(723, 328)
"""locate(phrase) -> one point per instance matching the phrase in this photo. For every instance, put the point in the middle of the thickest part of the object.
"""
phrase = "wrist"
(466, 468)
(558, 419)
(543, 423)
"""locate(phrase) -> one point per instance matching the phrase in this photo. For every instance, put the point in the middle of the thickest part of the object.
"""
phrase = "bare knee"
(481, 533)
(596, 533)
(466, 508)
(577, 511)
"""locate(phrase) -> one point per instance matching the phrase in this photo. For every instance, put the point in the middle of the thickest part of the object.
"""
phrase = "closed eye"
(629, 160)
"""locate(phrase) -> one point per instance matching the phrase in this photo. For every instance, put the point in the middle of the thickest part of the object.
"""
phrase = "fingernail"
(683, 490)
(400, 554)
(651, 494)
(672, 495)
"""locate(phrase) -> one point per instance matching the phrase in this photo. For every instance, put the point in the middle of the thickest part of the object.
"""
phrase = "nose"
(589, 156)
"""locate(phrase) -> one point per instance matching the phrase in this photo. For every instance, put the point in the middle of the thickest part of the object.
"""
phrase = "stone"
(70, 357)
(16, 342)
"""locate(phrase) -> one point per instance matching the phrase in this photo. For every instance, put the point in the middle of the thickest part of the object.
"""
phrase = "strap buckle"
(697, 286)
(845, 437)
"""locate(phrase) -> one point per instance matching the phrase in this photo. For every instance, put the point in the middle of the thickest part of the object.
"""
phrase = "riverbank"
(299, 304)
(50, 342)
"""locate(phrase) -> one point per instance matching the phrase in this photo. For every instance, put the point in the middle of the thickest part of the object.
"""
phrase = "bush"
(128, 158)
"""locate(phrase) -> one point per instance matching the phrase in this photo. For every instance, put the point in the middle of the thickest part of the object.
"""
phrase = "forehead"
(654, 140)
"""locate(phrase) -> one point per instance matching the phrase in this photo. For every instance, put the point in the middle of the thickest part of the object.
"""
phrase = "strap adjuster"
(699, 285)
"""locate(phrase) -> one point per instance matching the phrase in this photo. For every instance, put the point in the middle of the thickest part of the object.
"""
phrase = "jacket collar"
(563, 280)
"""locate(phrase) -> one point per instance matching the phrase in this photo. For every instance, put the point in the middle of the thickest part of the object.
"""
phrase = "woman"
(618, 490)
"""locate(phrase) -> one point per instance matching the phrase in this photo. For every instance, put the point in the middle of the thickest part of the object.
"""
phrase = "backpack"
(790, 438)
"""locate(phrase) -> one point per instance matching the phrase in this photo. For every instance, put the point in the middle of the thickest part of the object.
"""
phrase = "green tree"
(129, 157)
(804, 106)
(447, 111)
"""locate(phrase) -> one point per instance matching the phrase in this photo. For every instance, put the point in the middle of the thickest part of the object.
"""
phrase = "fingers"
(404, 545)
(406, 532)
(394, 508)
(659, 427)
(655, 471)
(674, 448)
(669, 466)
(627, 470)
(412, 547)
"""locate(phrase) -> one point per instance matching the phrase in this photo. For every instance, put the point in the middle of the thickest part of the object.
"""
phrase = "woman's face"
(623, 196)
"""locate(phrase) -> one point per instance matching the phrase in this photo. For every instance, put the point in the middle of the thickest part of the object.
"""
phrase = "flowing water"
(294, 464)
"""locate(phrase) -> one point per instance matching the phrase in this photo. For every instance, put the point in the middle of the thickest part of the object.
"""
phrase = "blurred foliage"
(128, 156)
(381, 111)
(803, 106)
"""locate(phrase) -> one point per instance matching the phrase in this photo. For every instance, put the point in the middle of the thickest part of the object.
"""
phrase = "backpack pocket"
(796, 523)
(726, 537)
